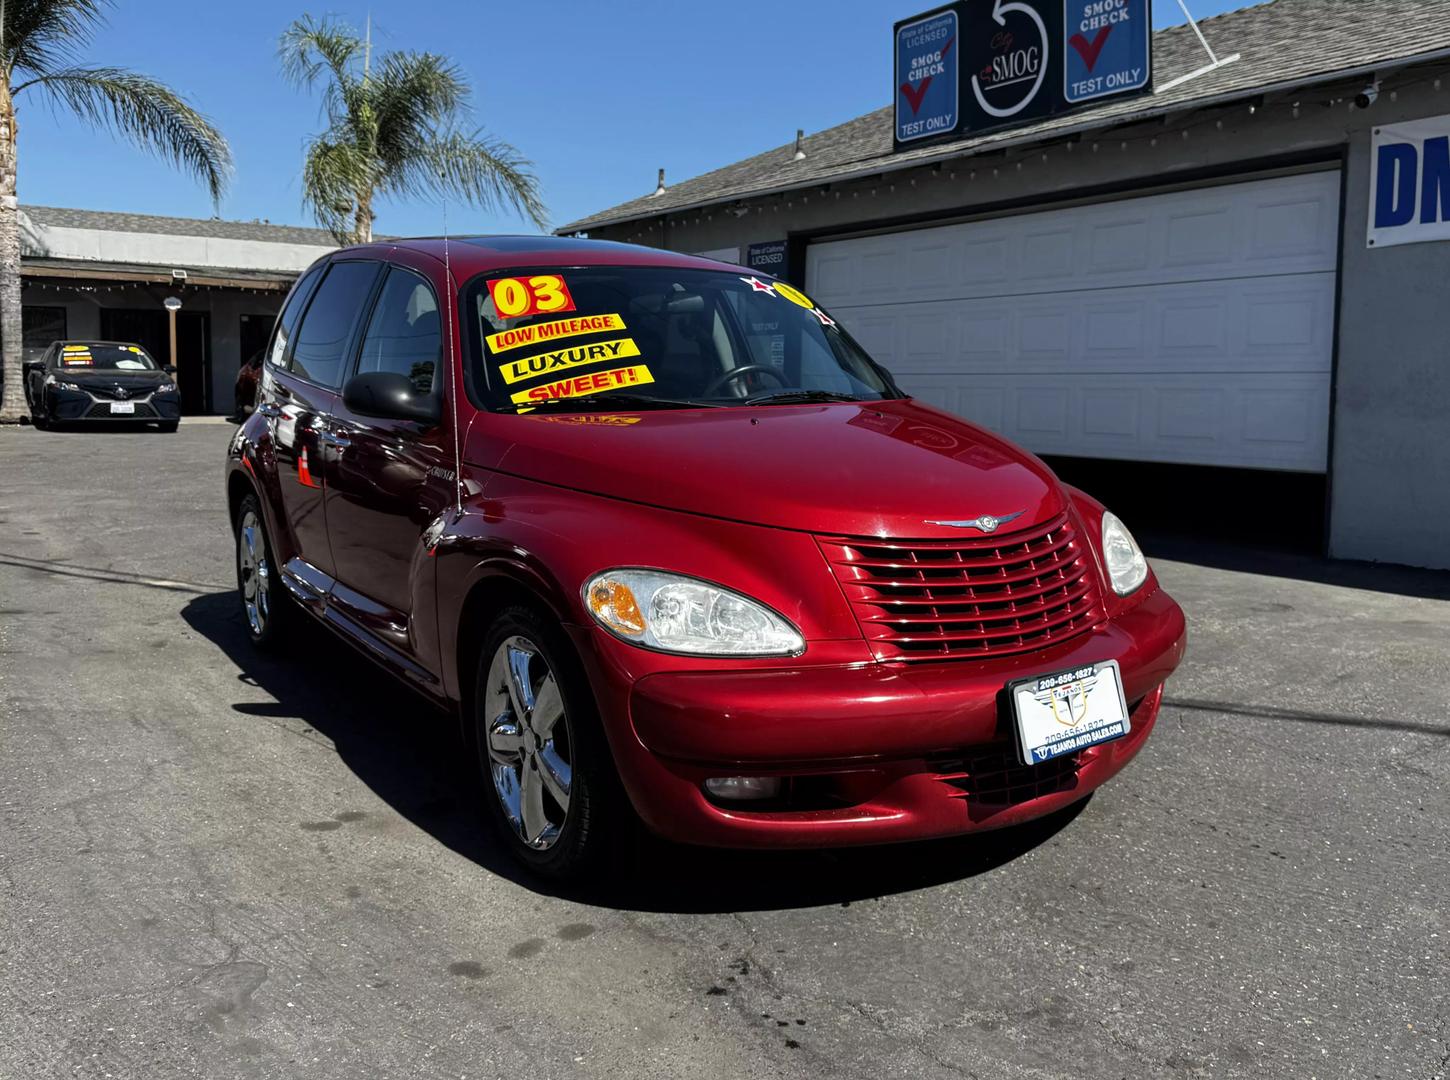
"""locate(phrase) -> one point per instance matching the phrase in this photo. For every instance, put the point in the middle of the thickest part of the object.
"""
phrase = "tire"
(39, 421)
(168, 426)
(520, 763)
(267, 610)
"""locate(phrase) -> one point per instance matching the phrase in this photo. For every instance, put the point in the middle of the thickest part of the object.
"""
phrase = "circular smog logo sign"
(1017, 65)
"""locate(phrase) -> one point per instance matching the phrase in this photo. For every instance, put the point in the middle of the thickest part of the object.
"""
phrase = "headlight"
(165, 388)
(61, 384)
(1127, 569)
(679, 614)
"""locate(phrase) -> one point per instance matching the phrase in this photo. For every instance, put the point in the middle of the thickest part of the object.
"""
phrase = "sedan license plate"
(123, 407)
(1069, 711)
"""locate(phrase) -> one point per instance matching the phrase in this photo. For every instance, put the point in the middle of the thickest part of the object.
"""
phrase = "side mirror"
(170, 369)
(392, 396)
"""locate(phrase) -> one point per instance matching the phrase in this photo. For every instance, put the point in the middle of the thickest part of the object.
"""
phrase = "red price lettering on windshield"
(541, 294)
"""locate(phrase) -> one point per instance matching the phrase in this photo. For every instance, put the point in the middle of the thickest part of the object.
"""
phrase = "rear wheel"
(549, 775)
(265, 604)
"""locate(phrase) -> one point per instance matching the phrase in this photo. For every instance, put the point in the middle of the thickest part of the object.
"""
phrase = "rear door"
(388, 479)
(299, 391)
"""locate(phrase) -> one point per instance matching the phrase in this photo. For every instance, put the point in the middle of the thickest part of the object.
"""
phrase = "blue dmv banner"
(926, 76)
(1108, 45)
(1409, 201)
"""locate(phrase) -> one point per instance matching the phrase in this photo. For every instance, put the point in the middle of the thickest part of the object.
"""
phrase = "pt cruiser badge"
(987, 523)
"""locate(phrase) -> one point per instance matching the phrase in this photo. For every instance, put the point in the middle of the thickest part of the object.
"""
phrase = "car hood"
(889, 468)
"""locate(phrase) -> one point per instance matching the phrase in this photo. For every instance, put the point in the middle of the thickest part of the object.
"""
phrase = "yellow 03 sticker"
(561, 360)
(597, 382)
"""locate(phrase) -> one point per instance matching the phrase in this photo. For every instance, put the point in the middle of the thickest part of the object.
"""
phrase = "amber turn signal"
(613, 604)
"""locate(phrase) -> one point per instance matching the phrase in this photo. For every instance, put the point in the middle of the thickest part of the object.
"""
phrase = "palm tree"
(393, 128)
(39, 40)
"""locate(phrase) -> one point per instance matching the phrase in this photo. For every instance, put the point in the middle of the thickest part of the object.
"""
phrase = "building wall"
(226, 307)
(164, 249)
(1389, 456)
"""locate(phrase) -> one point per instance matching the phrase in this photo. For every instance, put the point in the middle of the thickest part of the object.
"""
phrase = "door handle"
(270, 409)
(332, 438)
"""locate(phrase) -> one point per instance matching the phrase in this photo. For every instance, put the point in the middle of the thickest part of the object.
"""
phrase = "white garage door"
(1194, 327)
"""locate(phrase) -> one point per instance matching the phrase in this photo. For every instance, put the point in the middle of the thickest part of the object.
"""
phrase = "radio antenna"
(449, 317)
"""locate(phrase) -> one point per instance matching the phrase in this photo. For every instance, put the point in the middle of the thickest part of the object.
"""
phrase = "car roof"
(469, 255)
(88, 342)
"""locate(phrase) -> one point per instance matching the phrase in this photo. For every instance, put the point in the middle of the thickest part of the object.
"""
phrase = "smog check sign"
(1107, 48)
(926, 76)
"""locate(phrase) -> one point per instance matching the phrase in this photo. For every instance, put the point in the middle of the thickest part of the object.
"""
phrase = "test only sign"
(1409, 201)
(984, 65)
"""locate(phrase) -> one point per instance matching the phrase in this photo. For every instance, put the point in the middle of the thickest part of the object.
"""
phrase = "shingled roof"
(1282, 43)
(108, 221)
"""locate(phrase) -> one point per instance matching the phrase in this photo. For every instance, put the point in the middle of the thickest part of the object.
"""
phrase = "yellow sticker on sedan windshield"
(794, 295)
(520, 336)
(597, 382)
(531, 367)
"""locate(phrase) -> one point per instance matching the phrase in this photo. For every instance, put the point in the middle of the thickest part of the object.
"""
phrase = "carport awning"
(214, 277)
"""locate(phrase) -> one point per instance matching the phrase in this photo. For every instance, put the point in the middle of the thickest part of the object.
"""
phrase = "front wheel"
(547, 768)
(168, 426)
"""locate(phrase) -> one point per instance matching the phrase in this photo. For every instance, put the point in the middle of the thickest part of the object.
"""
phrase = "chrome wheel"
(253, 573)
(530, 751)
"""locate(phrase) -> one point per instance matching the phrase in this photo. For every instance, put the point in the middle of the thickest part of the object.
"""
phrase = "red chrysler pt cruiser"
(672, 546)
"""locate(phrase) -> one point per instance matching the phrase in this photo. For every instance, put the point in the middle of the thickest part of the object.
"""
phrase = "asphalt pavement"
(214, 864)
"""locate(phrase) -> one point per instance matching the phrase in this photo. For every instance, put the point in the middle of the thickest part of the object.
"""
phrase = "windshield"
(103, 356)
(645, 337)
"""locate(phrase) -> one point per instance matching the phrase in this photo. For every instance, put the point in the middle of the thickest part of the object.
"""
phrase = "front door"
(297, 395)
(388, 479)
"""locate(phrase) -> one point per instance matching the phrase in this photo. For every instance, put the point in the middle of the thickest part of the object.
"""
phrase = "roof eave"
(887, 165)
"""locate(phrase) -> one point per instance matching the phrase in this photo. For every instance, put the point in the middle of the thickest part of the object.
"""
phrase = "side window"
(287, 321)
(403, 335)
(328, 323)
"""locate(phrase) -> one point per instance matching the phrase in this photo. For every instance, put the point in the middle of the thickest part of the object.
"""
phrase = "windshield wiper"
(627, 402)
(797, 397)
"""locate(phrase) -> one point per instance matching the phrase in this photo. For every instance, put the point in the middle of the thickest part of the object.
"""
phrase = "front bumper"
(872, 753)
(66, 406)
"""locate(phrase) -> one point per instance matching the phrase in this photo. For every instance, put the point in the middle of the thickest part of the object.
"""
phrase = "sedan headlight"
(61, 384)
(165, 388)
(680, 614)
(1127, 568)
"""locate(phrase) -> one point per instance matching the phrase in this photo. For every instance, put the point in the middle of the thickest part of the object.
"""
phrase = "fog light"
(743, 787)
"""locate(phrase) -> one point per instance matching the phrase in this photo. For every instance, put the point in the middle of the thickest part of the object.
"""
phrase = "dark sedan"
(101, 380)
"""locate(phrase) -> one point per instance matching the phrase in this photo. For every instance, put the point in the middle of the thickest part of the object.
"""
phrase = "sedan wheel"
(530, 750)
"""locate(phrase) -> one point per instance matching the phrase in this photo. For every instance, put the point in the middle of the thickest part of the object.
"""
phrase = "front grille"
(966, 599)
(995, 776)
(103, 410)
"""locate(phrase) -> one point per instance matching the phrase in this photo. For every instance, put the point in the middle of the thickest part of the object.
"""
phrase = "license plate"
(1069, 711)
(123, 407)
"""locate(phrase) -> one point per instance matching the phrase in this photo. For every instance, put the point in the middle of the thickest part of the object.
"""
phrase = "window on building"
(328, 324)
(39, 327)
(403, 335)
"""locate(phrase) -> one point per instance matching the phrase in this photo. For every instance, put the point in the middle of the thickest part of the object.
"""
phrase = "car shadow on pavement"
(409, 755)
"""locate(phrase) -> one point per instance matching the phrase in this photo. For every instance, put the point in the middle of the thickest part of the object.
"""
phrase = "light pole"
(173, 305)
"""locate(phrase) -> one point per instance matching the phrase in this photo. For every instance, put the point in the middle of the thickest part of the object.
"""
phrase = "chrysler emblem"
(987, 523)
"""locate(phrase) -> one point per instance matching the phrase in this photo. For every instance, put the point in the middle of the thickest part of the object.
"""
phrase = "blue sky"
(598, 94)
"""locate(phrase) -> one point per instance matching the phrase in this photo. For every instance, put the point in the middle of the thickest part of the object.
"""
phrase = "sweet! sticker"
(541, 294)
(538, 333)
(583, 385)
(549, 363)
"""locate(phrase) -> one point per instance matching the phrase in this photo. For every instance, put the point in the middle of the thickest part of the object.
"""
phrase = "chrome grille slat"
(944, 599)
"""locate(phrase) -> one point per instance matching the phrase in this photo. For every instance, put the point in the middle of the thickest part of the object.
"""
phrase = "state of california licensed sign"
(1012, 62)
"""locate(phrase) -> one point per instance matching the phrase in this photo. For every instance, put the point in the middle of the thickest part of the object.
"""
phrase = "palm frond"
(309, 46)
(483, 170)
(149, 113)
(332, 175)
(39, 35)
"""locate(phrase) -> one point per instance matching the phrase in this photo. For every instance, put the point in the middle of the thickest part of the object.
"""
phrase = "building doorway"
(255, 330)
(148, 328)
